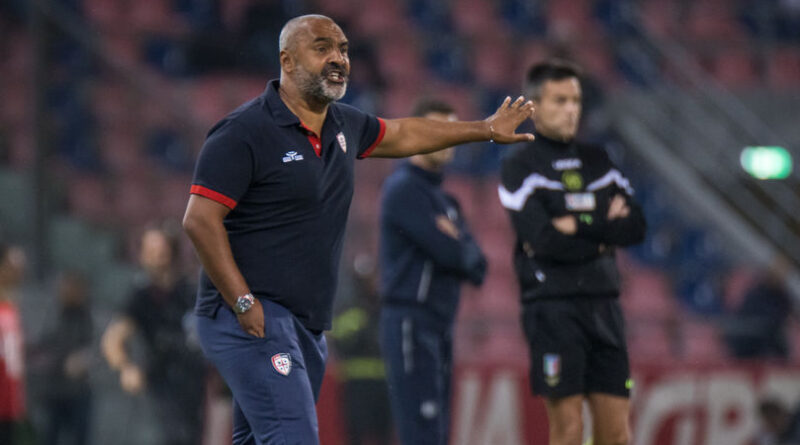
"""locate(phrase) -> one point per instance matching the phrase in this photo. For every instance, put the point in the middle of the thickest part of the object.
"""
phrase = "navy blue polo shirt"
(289, 192)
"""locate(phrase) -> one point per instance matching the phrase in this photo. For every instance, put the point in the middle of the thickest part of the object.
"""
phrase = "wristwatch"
(244, 303)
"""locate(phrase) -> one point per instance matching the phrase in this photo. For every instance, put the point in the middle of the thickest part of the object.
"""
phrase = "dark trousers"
(68, 420)
(418, 355)
(275, 380)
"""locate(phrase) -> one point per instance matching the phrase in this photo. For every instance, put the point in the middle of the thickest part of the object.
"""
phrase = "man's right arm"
(113, 344)
(203, 222)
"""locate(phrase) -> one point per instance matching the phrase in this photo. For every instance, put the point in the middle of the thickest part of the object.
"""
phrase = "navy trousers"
(418, 352)
(275, 380)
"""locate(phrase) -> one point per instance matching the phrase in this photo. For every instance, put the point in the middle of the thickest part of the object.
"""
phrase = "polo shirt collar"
(283, 116)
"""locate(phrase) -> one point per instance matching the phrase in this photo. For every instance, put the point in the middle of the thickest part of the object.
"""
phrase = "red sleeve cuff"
(378, 140)
(212, 195)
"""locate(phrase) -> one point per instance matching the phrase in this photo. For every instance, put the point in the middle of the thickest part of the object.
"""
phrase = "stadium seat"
(568, 17)
(404, 67)
(735, 68)
(16, 108)
(650, 342)
(134, 201)
(492, 62)
(701, 342)
(794, 341)
(783, 68)
(380, 18)
(120, 151)
(154, 16)
(712, 21)
(174, 194)
(103, 13)
(87, 197)
(658, 17)
(647, 295)
(737, 283)
(474, 17)
(21, 150)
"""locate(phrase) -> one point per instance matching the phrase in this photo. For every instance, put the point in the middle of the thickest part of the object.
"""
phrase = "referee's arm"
(620, 230)
(534, 226)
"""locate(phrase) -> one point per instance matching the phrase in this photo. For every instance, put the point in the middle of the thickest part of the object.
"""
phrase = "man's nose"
(339, 57)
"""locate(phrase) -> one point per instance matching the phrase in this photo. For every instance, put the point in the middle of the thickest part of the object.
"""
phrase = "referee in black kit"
(570, 208)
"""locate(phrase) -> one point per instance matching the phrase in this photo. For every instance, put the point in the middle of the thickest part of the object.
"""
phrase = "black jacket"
(421, 265)
(547, 179)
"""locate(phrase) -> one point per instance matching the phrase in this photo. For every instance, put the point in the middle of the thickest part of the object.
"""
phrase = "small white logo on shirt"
(342, 141)
(567, 164)
(292, 156)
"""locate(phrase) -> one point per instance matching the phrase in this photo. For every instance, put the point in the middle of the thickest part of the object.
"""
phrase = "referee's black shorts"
(577, 346)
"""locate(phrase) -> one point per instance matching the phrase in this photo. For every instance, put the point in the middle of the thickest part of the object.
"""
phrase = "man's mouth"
(335, 75)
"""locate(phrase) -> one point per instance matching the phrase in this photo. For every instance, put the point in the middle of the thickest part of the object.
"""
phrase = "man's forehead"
(562, 86)
(318, 28)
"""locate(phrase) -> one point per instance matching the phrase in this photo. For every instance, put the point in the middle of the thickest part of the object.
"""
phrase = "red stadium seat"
(736, 285)
(649, 342)
(380, 18)
(475, 17)
(783, 68)
(21, 150)
(713, 21)
(120, 152)
(701, 342)
(154, 16)
(174, 193)
(88, 198)
(658, 17)
(103, 13)
(735, 68)
(569, 17)
(794, 341)
(492, 62)
(404, 67)
(647, 295)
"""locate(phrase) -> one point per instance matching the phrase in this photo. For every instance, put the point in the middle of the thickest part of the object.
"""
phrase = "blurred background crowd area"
(105, 105)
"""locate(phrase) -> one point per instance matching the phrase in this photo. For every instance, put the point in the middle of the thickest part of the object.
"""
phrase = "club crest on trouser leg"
(282, 362)
(552, 369)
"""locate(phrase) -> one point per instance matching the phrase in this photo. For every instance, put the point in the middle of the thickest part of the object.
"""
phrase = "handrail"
(683, 179)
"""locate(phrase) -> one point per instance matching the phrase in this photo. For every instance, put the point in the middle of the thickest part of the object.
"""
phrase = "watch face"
(243, 303)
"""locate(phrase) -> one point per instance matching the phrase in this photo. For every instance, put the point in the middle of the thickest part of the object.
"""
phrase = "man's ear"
(287, 61)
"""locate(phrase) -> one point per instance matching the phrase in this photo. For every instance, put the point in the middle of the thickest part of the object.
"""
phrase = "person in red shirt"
(12, 384)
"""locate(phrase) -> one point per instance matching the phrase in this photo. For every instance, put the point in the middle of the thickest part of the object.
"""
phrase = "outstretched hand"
(504, 122)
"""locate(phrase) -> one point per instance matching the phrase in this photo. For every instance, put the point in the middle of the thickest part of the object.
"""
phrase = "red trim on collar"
(212, 195)
(378, 140)
(316, 142)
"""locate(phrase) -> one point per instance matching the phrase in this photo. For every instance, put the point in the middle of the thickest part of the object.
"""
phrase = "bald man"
(266, 214)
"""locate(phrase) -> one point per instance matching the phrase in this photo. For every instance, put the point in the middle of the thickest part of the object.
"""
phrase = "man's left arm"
(624, 224)
(415, 135)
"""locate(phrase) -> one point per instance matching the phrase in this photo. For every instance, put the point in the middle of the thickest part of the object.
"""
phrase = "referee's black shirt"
(289, 191)
(546, 179)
